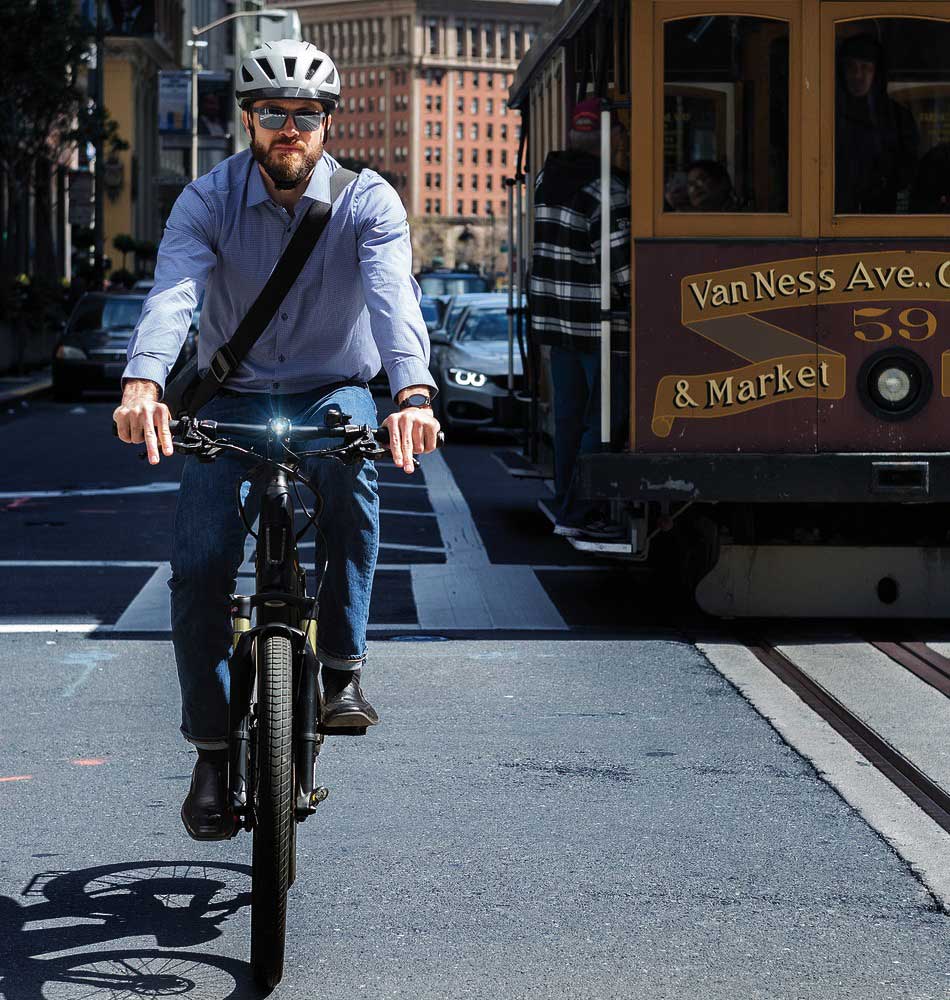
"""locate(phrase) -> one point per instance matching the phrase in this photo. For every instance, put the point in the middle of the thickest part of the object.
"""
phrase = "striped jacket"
(564, 287)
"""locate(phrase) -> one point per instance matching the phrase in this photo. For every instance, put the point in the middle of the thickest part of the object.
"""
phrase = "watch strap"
(416, 399)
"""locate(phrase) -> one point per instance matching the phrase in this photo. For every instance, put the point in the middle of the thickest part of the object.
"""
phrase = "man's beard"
(279, 166)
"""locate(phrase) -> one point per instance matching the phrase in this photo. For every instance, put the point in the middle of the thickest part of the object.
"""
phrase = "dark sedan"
(91, 354)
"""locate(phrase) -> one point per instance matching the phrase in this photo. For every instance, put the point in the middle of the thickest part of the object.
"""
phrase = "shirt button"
(281, 358)
(283, 315)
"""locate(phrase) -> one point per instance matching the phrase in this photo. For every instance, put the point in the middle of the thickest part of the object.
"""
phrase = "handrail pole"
(605, 275)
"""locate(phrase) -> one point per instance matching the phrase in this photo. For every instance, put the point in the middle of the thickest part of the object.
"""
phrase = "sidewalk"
(15, 387)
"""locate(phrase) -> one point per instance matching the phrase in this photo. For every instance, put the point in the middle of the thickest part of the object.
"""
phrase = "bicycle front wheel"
(273, 809)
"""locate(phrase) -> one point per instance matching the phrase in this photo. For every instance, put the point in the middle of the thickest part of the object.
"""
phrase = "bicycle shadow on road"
(181, 905)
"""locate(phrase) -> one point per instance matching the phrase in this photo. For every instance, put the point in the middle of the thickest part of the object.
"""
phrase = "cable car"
(789, 361)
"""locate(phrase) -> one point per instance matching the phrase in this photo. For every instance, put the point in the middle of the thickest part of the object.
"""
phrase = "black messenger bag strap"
(285, 273)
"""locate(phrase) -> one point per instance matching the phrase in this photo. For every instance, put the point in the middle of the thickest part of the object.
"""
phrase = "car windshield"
(109, 314)
(485, 325)
(452, 284)
(431, 313)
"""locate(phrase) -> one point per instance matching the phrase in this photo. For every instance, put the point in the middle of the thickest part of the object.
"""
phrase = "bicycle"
(276, 730)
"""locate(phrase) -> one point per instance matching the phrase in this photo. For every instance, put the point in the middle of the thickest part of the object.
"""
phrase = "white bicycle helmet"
(288, 68)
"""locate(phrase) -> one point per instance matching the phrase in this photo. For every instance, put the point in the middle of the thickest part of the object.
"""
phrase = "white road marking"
(156, 487)
(15, 627)
(906, 827)
(149, 610)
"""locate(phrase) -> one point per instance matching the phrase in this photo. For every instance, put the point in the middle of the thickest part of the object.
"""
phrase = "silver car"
(470, 364)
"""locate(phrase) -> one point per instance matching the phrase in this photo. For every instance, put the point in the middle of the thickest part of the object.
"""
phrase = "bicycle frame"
(282, 607)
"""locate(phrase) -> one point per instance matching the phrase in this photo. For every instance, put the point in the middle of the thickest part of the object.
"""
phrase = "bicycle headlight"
(461, 376)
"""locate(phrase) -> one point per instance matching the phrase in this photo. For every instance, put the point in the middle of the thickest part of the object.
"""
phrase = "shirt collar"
(317, 190)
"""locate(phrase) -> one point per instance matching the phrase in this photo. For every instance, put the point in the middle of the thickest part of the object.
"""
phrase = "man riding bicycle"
(354, 305)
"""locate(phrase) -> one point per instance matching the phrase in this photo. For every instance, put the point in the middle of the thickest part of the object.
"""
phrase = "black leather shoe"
(344, 706)
(205, 811)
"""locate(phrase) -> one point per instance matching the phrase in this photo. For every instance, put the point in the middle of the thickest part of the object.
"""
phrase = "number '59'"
(917, 323)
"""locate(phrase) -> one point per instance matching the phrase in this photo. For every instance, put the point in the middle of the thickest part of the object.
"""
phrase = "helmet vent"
(266, 67)
(331, 79)
(245, 76)
(290, 66)
(314, 66)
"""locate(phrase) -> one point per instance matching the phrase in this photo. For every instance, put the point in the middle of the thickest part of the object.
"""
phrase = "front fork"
(306, 714)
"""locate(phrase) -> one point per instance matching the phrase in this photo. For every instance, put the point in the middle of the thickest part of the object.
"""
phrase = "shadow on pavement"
(181, 905)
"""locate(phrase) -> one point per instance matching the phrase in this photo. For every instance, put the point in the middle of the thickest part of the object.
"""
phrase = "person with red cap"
(564, 299)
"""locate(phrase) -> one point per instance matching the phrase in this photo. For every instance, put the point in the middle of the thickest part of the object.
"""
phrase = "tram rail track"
(916, 657)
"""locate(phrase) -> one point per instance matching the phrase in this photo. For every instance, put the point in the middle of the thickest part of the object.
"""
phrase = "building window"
(428, 206)
(372, 78)
(438, 154)
(504, 105)
(459, 40)
(490, 43)
(490, 81)
(381, 104)
(459, 207)
(475, 42)
(428, 102)
(489, 131)
(460, 79)
(474, 182)
(488, 181)
(438, 102)
(475, 131)
(474, 156)
(460, 131)
(474, 105)
(489, 106)
(362, 130)
(438, 181)
(460, 155)
(460, 104)
(504, 157)
(504, 131)
(381, 129)
(428, 154)
(505, 43)
(382, 77)
(460, 182)
(428, 180)
(428, 130)
(474, 207)
(433, 38)
(438, 130)
(438, 206)
(489, 153)
(362, 104)
(488, 208)
(362, 78)
(516, 41)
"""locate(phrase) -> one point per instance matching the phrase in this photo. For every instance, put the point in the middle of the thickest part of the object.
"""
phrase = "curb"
(22, 391)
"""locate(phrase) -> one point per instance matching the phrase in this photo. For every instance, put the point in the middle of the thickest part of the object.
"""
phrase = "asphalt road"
(583, 809)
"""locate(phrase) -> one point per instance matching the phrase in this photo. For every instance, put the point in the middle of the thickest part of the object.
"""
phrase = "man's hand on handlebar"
(141, 417)
(412, 431)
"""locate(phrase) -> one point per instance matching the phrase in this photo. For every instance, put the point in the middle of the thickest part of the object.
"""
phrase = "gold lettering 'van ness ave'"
(724, 307)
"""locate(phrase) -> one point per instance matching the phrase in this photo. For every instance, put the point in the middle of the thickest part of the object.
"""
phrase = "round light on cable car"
(894, 385)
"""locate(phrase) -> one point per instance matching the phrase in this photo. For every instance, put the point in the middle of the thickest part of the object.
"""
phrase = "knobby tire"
(274, 810)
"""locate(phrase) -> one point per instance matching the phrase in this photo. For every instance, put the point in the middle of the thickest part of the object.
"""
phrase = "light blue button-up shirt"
(354, 306)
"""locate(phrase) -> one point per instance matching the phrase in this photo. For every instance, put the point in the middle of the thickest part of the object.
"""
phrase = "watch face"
(416, 399)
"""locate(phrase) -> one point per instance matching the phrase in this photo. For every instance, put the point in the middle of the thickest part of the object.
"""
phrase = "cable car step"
(515, 464)
(602, 548)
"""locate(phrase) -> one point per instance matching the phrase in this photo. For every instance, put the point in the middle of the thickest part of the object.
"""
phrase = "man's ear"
(327, 126)
(246, 122)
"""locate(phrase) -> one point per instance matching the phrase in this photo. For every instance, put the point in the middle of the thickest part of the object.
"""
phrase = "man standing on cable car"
(564, 296)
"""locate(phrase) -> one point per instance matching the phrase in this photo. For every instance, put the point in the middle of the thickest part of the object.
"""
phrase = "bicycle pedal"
(343, 731)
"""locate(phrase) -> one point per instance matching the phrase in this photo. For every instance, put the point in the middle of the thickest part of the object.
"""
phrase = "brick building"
(425, 87)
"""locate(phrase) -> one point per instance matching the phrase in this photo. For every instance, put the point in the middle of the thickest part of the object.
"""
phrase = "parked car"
(455, 305)
(470, 366)
(91, 354)
(451, 282)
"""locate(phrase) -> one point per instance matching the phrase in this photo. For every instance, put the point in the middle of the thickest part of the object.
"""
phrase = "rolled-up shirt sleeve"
(391, 293)
(186, 256)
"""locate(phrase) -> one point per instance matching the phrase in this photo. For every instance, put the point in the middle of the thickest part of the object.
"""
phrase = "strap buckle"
(223, 362)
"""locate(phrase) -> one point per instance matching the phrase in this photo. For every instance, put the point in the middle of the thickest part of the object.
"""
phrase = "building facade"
(424, 100)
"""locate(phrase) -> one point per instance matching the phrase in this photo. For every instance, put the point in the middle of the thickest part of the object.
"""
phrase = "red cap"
(586, 116)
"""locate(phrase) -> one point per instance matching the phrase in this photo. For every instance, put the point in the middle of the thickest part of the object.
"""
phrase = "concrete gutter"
(13, 388)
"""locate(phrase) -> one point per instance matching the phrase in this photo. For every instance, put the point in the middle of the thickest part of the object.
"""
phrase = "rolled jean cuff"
(340, 662)
(206, 744)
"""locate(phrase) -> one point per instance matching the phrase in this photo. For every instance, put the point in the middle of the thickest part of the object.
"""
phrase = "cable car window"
(892, 116)
(726, 115)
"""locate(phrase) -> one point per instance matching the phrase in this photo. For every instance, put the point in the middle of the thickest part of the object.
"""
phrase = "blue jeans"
(576, 379)
(208, 549)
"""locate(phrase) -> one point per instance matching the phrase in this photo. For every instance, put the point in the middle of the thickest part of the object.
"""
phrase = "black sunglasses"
(275, 118)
